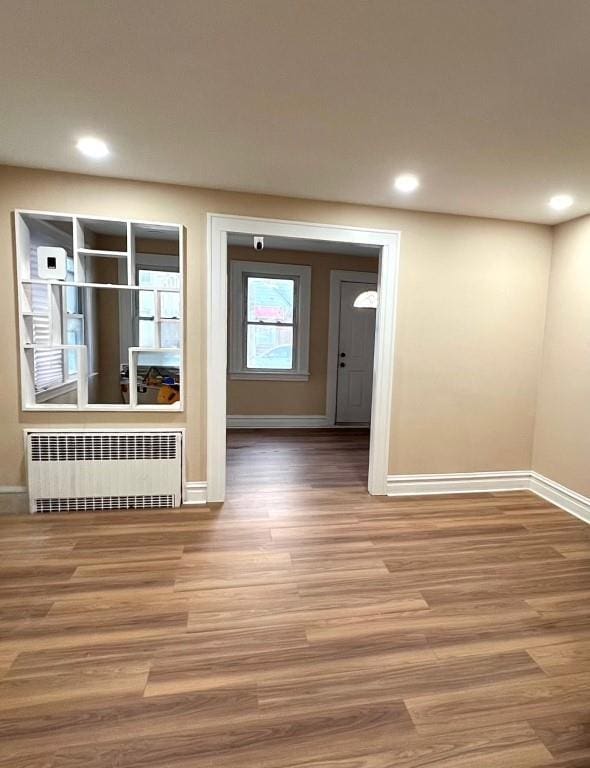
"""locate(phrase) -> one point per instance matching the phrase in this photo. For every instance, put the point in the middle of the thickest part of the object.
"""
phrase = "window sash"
(71, 355)
(298, 330)
(270, 324)
(72, 310)
(141, 321)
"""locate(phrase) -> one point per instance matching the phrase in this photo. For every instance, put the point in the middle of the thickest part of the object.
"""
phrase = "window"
(167, 314)
(73, 321)
(269, 320)
(48, 362)
(366, 300)
(74, 335)
(55, 367)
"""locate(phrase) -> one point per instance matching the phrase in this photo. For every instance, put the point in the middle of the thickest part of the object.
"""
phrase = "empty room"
(295, 449)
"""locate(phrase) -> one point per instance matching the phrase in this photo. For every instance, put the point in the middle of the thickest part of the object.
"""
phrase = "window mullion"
(244, 325)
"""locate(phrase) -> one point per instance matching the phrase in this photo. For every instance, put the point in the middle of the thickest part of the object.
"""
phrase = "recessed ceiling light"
(92, 147)
(406, 183)
(561, 202)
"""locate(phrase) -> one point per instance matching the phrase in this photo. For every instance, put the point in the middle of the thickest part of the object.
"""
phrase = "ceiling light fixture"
(561, 202)
(406, 183)
(92, 147)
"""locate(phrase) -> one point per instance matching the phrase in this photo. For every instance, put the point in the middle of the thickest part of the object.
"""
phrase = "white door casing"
(356, 349)
(218, 226)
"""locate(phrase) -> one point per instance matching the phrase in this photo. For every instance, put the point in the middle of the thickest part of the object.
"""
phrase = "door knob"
(343, 365)
(343, 354)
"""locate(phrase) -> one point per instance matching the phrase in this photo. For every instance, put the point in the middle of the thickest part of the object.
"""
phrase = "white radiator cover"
(76, 470)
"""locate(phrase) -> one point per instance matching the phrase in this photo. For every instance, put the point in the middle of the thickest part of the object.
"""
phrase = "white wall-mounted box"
(51, 262)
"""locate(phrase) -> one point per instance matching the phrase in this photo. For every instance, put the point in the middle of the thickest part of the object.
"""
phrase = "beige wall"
(471, 312)
(562, 435)
(296, 398)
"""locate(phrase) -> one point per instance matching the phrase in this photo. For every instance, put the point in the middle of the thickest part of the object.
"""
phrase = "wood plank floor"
(302, 624)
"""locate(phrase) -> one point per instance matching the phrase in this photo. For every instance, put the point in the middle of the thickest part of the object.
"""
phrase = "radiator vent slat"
(95, 503)
(105, 447)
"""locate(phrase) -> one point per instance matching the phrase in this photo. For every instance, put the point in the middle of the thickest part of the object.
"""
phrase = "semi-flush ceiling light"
(92, 147)
(406, 183)
(561, 202)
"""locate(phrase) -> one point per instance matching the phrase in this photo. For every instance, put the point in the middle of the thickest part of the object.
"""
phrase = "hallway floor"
(303, 624)
(296, 459)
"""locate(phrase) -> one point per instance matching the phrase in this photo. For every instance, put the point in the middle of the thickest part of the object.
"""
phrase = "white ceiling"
(487, 100)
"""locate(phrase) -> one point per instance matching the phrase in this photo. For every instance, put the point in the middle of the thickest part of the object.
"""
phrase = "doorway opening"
(300, 336)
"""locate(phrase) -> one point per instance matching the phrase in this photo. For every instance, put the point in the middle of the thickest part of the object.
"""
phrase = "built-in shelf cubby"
(100, 312)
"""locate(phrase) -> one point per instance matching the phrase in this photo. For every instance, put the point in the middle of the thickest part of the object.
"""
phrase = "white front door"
(356, 348)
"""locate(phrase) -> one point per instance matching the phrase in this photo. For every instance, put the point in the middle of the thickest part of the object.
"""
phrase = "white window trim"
(237, 369)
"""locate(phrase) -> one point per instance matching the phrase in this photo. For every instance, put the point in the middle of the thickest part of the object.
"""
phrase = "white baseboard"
(488, 482)
(12, 489)
(195, 493)
(277, 422)
(563, 497)
(462, 482)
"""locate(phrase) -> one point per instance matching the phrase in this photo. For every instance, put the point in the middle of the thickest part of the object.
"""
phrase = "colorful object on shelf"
(168, 395)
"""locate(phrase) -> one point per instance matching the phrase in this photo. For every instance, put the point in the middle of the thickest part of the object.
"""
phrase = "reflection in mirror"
(107, 312)
(97, 297)
(158, 377)
(103, 235)
(159, 302)
(103, 255)
(50, 370)
(109, 321)
(159, 320)
(104, 268)
(54, 382)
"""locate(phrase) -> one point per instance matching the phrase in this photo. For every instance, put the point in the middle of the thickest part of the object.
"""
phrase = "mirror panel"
(107, 311)
(46, 368)
(158, 377)
(97, 297)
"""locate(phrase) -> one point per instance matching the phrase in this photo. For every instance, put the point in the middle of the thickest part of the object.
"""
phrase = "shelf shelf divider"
(130, 254)
(102, 254)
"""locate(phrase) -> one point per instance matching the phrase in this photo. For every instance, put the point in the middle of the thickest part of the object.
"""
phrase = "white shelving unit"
(41, 304)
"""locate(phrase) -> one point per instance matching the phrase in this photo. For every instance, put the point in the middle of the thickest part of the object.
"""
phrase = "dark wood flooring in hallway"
(297, 459)
(303, 624)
